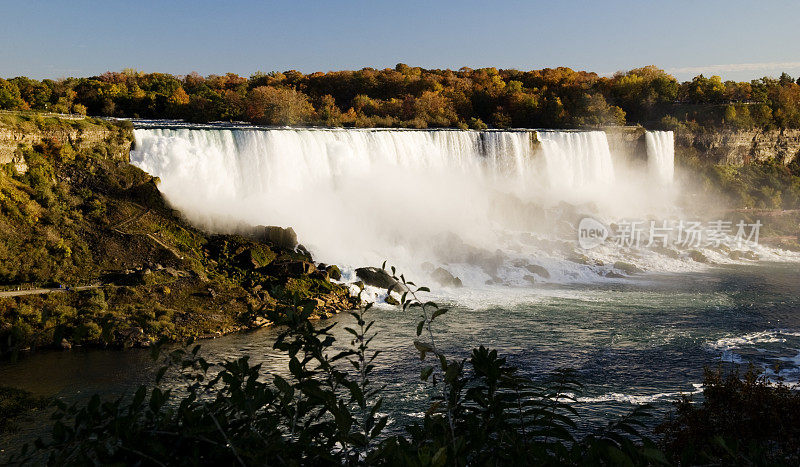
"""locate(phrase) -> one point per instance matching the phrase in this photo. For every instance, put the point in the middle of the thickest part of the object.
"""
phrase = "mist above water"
(488, 206)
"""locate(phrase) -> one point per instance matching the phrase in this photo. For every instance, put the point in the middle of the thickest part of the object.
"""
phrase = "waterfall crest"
(661, 155)
(484, 204)
(242, 162)
(577, 158)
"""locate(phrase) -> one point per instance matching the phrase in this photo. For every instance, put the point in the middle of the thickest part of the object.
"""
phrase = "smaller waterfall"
(576, 159)
(661, 156)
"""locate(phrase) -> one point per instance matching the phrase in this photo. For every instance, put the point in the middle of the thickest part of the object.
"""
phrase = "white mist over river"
(491, 207)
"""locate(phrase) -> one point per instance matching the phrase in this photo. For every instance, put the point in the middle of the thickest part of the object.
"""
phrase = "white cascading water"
(577, 159)
(487, 206)
(661, 155)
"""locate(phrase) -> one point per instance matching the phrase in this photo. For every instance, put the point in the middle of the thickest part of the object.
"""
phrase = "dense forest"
(415, 97)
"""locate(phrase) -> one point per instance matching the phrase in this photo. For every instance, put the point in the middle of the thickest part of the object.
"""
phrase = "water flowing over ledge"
(661, 155)
(491, 207)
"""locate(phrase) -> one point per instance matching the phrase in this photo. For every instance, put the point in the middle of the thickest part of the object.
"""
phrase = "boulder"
(278, 236)
(698, 256)
(627, 268)
(578, 258)
(334, 272)
(444, 278)
(530, 278)
(255, 256)
(749, 254)
(321, 274)
(377, 277)
(292, 268)
(662, 250)
(538, 270)
(299, 268)
(743, 254)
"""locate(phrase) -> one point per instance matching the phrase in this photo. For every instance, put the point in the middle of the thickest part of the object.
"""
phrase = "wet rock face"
(334, 272)
(698, 256)
(282, 238)
(444, 278)
(255, 256)
(626, 268)
(291, 268)
(538, 270)
(377, 277)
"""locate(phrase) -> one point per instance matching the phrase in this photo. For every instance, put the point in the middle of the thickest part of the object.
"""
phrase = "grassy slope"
(83, 216)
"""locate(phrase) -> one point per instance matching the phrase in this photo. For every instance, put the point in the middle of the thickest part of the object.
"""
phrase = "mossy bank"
(76, 217)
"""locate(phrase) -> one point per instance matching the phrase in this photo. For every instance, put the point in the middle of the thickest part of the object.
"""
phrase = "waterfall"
(483, 204)
(577, 159)
(661, 155)
(245, 162)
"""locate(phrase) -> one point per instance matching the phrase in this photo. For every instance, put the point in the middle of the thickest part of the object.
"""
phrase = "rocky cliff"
(722, 146)
(737, 147)
(88, 135)
(82, 216)
(627, 141)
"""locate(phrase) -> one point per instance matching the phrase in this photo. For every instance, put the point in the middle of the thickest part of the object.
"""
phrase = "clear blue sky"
(735, 39)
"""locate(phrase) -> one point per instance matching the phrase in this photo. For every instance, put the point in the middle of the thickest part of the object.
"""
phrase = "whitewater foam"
(489, 206)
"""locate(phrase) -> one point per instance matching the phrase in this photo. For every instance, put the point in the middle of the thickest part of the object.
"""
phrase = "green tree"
(10, 98)
(35, 93)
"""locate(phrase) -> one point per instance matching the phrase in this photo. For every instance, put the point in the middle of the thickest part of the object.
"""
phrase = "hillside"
(75, 214)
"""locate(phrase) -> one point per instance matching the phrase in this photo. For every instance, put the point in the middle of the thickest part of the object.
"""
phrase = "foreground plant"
(326, 410)
(744, 419)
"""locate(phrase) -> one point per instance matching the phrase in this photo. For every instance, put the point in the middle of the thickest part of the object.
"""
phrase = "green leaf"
(423, 348)
(439, 312)
(138, 398)
(440, 458)
(426, 373)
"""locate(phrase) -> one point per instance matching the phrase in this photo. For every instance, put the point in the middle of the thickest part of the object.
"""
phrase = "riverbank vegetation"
(328, 409)
(110, 263)
(415, 97)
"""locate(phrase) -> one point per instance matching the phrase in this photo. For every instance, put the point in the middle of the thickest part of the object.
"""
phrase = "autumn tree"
(641, 91)
(278, 106)
(35, 93)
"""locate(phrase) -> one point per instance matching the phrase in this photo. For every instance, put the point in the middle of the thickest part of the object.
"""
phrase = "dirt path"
(19, 293)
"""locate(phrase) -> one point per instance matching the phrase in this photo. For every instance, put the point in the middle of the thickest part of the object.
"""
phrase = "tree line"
(420, 98)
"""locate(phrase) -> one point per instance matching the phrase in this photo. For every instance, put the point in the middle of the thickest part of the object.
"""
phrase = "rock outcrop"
(737, 147)
(627, 142)
(720, 146)
(112, 139)
(377, 277)
(445, 278)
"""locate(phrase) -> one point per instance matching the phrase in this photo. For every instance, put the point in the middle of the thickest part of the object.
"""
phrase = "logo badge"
(591, 233)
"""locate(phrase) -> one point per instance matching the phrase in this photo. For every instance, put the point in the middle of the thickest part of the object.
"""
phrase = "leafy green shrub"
(742, 420)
